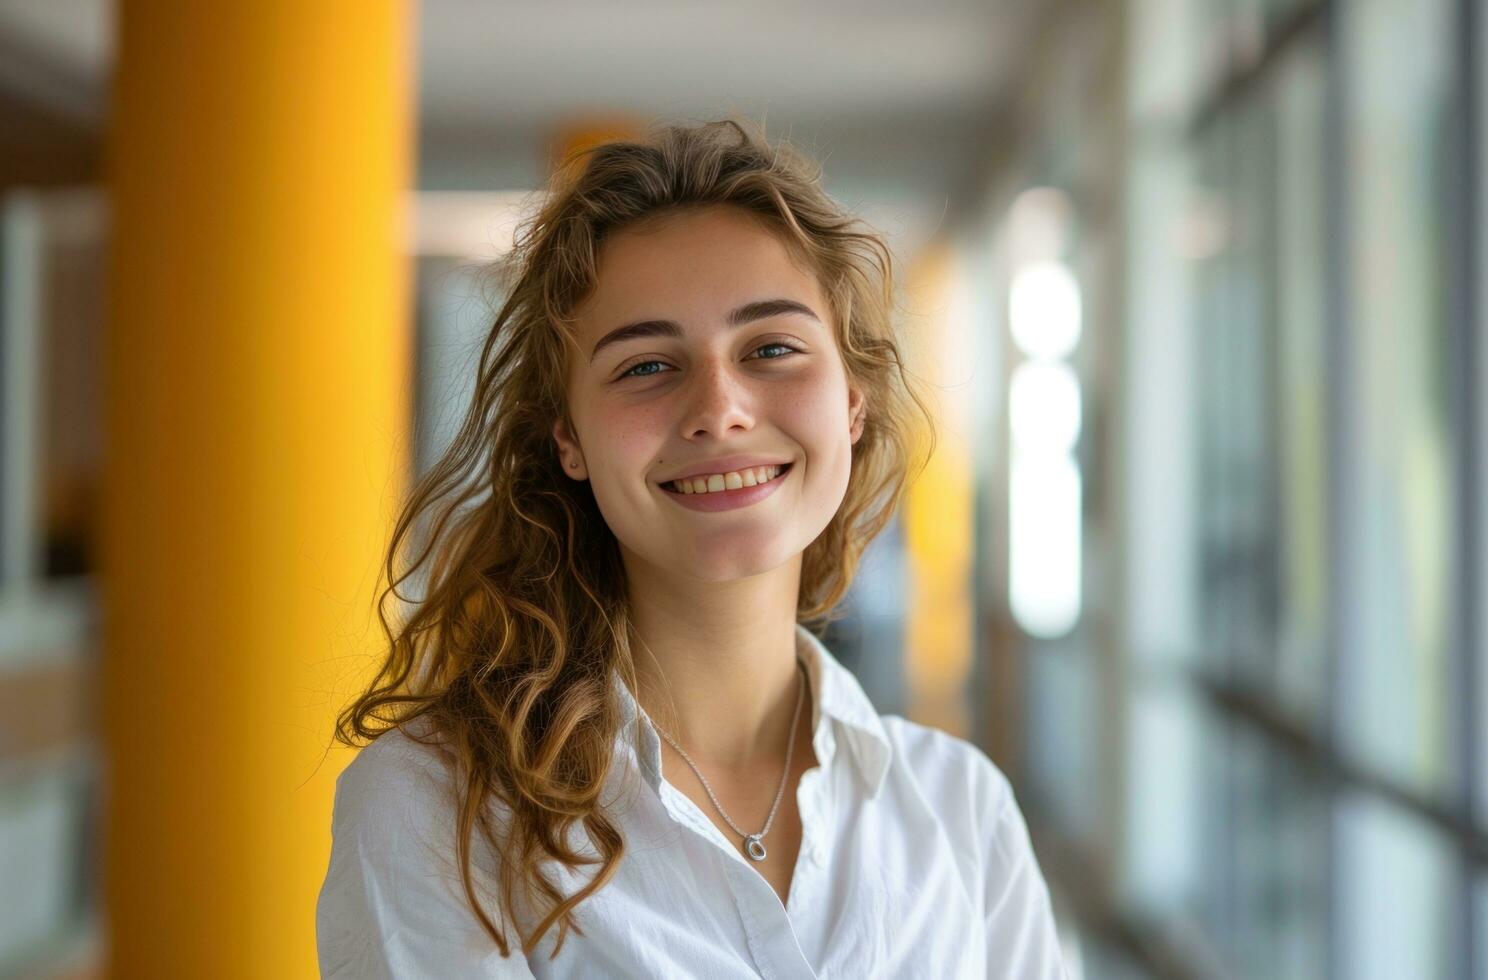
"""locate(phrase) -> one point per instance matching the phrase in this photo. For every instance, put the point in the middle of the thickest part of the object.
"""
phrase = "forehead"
(695, 262)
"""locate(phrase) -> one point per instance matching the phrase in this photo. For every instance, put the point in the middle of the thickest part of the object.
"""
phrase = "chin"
(728, 564)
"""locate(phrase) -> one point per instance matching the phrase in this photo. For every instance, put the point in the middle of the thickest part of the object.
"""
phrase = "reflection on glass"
(1062, 740)
(1164, 857)
(1396, 885)
(1264, 902)
(1256, 238)
(1237, 455)
(455, 310)
(1297, 100)
(1395, 711)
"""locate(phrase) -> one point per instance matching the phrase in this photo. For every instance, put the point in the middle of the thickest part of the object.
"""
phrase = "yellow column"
(939, 523)
(258, 400)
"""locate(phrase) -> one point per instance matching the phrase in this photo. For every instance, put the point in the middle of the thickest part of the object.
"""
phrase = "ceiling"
(898, 99)
(484, 63)
(523, 61)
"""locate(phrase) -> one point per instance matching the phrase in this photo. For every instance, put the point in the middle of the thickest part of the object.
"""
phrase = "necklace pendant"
(754, 848)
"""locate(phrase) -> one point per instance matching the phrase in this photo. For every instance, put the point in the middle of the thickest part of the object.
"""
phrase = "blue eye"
(631, 372)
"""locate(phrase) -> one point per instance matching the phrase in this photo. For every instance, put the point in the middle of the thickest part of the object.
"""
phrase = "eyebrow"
(748, 313)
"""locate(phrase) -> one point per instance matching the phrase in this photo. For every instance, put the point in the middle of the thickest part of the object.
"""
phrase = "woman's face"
(704, 349)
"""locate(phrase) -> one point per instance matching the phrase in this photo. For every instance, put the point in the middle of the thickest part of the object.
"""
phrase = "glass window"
(1163, 853)
(1257, 235)
(1397, 893)
(1275, 12)
(1062, 740)
(1236, 454)
(1264, 903)
(1480, 924)
(456, 307)
(45, 851)
(1296, 104)
(1395, 703)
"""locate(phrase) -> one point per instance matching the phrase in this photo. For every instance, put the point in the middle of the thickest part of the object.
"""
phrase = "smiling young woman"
(691, 418)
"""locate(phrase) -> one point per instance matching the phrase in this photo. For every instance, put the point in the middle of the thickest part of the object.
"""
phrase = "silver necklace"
(753, 843)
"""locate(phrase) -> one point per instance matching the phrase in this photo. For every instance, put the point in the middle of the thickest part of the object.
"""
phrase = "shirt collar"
(835, 695)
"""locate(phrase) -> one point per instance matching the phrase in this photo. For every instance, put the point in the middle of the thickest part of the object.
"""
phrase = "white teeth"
(751, 477)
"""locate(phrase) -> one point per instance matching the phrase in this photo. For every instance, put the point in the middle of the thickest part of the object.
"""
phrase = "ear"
(570, 456)
(857, 410)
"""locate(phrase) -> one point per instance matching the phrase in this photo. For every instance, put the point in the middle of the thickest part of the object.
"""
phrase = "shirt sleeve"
(392, 905)
(1022, 939)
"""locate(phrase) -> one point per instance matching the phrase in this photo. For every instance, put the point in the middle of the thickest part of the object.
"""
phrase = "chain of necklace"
(753, 843)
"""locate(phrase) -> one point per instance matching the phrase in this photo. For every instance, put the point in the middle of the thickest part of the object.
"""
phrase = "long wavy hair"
(508, 655)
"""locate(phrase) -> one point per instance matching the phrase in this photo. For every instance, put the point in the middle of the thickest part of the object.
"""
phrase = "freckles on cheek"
(633, 438)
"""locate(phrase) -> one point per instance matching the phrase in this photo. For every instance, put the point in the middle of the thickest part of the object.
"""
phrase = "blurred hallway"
(1201, 560)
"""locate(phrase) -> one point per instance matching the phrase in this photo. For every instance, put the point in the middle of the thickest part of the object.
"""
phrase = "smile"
(735, 489)
(721, 482)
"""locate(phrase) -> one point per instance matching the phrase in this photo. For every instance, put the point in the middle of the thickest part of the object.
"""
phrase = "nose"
(716, 401)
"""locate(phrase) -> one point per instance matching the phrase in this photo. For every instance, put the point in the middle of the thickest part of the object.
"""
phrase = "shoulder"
(969, 794)
(402, 786)
(393, 761)
(974, 801)
(948, 765)
(393, 903)
(396, 792)
(396, 816)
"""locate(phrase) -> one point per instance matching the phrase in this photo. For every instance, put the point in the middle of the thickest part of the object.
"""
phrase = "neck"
(716, 662)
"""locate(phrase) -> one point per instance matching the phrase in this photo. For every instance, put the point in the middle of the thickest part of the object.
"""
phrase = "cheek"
(627, 436)
(818, 421)
(630, 443)
(818, 409)
(624, 437)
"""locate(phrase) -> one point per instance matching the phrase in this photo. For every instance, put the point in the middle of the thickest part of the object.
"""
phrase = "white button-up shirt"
(915, 862)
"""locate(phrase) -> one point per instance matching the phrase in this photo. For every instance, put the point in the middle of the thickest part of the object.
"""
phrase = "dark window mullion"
(1294, 737)
(1340, 384)
(1464, 336)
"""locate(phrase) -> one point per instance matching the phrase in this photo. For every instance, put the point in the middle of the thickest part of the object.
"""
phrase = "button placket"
(777, 953)
(806, 877)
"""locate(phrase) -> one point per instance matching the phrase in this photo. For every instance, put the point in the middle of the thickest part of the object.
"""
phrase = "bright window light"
(1044, 310)
(1044, 543)
(1044, 406)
